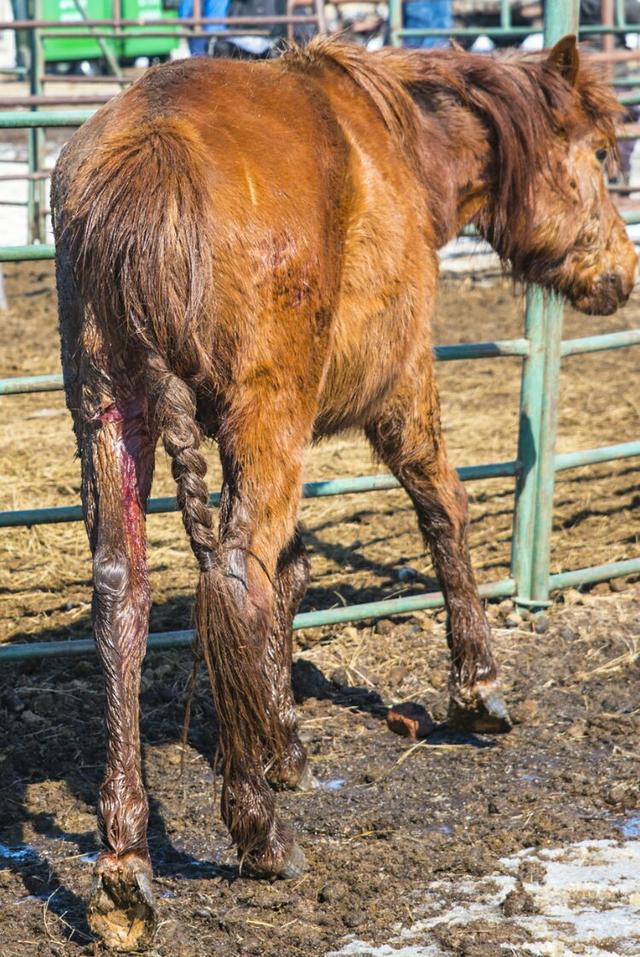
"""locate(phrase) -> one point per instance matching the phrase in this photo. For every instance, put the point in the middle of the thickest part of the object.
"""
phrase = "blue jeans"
(199, 46)
(425, 15)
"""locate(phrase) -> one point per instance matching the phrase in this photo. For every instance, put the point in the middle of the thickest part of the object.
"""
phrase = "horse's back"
(271, 147)
(308, 207)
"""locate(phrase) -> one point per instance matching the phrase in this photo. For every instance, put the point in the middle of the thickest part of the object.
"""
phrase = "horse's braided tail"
(175, 421)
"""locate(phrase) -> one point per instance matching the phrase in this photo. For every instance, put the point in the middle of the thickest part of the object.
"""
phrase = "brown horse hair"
(249, 251)
(142, 266)
(520, 100)
(148, 260)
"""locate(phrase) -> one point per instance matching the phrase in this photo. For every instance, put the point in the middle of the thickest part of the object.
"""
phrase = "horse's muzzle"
(610, 291)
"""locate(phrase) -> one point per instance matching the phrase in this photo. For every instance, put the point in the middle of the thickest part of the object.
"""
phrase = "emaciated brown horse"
(248, 252)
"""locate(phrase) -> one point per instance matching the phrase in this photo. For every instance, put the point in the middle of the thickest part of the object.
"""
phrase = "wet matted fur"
(248, 251)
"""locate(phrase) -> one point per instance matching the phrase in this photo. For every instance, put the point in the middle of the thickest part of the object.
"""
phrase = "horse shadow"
(67, 746)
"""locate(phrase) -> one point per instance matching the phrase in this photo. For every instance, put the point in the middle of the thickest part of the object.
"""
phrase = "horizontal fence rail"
(309, 619)
(362, 483)
(21, 385)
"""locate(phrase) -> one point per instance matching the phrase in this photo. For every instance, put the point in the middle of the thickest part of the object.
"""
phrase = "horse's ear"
(565, 58)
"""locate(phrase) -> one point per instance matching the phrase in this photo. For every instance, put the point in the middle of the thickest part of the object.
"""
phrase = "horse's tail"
(134, 224)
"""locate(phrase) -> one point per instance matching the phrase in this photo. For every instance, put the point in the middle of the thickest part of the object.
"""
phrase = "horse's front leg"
(117, 466)
(407, 436)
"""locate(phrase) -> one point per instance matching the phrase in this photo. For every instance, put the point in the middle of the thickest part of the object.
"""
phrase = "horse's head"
(566, 234)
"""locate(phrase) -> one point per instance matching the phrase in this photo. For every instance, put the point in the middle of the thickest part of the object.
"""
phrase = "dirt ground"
(390, 819)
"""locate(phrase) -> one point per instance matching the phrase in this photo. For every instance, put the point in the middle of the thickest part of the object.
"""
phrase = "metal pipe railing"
(309, 619)
(78, 27)
(23, 385)
(541, 350)
(57, 514)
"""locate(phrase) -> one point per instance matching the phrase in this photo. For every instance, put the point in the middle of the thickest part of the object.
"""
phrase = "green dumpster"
(71, 11)
(84, 47)
(136, 44)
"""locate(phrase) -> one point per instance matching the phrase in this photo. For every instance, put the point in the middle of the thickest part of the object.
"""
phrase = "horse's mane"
(520, 99)
(371, 73)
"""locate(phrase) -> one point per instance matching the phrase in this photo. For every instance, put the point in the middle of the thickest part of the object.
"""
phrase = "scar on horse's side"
(249, 253)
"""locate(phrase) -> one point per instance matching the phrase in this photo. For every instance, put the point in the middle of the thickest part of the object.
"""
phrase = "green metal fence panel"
(606, 453)
(541, 349)
(543, 521)
(595, 573)
(16, 119)
(309, 619)
(364, 483)
(10, 254)
(610, 340)
(522, 542)
(21, 385)
(561, 18)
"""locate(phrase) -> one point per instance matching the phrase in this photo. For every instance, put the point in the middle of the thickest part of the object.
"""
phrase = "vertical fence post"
(607, 16)
(533, 519)
(395, 22)
(505, 14)
(528, 446)
(35, 187)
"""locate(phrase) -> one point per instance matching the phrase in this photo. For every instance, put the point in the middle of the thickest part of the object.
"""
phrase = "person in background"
(199, 46)
(427, 15)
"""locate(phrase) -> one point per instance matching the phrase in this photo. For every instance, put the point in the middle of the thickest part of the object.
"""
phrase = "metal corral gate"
(541, 349)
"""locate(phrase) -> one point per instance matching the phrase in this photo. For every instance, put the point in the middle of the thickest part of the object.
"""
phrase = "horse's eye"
(601, 155)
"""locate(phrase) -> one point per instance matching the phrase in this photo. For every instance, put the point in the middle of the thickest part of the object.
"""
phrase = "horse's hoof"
(306, 781)
(483, 711)
(122, 907)
(285, 867)
(294, 865)
(292, 773)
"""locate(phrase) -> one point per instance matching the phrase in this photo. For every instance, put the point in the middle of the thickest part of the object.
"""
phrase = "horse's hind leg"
(291, 769)
(117, 463)
(407, 437)
(258, 507)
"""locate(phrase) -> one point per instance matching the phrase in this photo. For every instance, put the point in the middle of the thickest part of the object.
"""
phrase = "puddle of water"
(334, 784)
(20, 853)
(630, 826)
(441, 828)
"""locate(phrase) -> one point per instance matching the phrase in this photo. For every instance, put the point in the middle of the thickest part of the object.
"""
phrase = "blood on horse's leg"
(117, 465)
(291, 769)
(407, 437)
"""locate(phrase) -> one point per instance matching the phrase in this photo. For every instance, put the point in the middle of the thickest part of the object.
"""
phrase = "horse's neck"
(456, 155)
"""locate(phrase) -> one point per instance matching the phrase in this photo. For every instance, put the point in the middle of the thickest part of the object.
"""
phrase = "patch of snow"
(588, 904)
(333, 785)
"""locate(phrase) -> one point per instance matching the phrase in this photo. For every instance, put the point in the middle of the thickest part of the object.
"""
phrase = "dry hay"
(357, 542)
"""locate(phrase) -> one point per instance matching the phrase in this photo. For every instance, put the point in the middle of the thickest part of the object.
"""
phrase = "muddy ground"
(390, 819)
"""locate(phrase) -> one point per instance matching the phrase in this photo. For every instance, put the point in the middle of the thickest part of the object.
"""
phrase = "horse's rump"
(135, 224)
